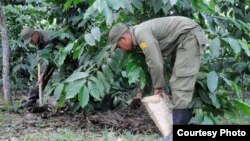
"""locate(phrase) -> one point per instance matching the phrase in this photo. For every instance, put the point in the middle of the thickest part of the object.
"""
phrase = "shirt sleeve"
(153, 57)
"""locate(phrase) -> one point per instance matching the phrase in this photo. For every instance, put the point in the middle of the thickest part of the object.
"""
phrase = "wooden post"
(40, 85)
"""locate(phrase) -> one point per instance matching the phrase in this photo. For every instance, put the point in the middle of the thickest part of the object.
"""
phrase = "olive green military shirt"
(157, 38)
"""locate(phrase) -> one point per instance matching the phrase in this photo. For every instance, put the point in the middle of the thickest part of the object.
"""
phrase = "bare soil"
(136, 121)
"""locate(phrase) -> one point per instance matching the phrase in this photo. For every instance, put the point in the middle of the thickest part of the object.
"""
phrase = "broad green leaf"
(165, 1)
(89, 39)
(62, 57)
(207, 121)
(67, 4)
(130, 66)
(116, 4)
(157, 5)
(142, 79)
(99, 4)
(93, 91)
(111, 63)
(76, 76)
(215, 47)
(245, 47)
(76, 1)
(212, 81)
(137, 3)
(68, 48)
(75, 107)
(96, 33)
(83, 96)
(173, 2)
(234, 44)
(58, 90)
(100, 56)
(243, 106)
(90, 11)
(235, 22)
(99, 85)
(128, 6)
(73, 89)
(133, 75)
(108, 73)
(104, 81)
(166, 8)
(214, 100)
(108, 14)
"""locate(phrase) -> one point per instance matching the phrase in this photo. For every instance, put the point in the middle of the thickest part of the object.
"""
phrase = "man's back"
(165, 30)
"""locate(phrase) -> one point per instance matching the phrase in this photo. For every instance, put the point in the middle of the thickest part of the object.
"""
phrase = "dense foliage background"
(91, 75)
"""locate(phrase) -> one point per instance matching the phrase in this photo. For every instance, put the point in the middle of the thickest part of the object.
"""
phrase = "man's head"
(30, 36)
(120, 37)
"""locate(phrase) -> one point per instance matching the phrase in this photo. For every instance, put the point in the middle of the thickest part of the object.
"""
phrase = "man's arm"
(154, 59)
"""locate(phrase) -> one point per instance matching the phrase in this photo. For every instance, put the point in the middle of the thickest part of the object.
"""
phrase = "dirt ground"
(18, 125)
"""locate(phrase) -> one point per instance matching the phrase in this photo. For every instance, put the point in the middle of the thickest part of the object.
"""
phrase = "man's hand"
(136, 103)
(158, 91)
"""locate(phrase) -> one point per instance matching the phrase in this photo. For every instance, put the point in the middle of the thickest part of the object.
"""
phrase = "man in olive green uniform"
(159, 37)
(39, 38)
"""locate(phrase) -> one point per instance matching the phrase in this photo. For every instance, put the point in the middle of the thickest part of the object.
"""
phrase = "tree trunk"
(5, 46)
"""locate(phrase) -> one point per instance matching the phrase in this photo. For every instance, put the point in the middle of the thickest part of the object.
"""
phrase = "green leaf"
(100, 56)
(93, 91)
(89, 39)
(214, 100)
(165, 1)
(111, 63)
(104, 81)
(96, 33)
(115, 4)
(58, 90)
(68, 48)
(62, 57)
(76, 76)
(108, 73)
(225, 79)
(137, 3)
(133, 75)
(243, 106)
(83, 96)
(236, 88)
(207, 120)
(128, 6)
(99, 4)
(173, 2)
(90, 11)
(99, 85)
(67, 5)
(108, 14)
(245, 47)
(212, 81)
(73, 89)
(157, 5)
(75, 107)
(234, 44)
(142, 79)
(215, 47)
(76, 1)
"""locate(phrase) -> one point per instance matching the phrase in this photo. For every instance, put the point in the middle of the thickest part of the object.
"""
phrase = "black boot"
(33, 96)
(181, 116)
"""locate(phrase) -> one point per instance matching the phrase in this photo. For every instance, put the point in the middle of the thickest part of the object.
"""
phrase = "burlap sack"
(159, 108)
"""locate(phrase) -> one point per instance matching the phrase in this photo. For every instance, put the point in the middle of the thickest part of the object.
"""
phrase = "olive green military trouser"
(186, 67)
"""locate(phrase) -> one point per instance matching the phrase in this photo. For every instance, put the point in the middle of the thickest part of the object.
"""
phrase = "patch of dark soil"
(119, 120)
